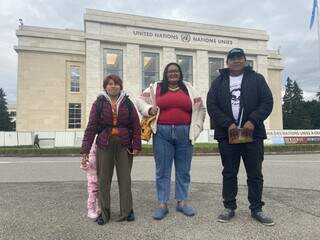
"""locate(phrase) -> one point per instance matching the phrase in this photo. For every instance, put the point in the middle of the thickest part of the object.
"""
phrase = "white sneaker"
(92, 214)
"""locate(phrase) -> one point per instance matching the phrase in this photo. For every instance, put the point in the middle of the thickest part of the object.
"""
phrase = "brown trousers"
(114, 155)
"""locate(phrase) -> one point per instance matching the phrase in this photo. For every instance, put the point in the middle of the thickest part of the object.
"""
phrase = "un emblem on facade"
(185, 37)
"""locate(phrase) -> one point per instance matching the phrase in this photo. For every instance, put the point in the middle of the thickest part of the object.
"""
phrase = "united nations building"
(60, 71)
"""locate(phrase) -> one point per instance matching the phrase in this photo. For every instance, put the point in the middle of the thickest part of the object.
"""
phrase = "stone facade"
(45, 56)
(44, 60)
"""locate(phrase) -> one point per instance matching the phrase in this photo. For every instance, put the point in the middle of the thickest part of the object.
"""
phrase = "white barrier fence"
(74, 138)
(61, 139)
(46, 139)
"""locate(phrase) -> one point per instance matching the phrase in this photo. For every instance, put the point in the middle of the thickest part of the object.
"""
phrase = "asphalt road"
(286, 171)
(45, 198)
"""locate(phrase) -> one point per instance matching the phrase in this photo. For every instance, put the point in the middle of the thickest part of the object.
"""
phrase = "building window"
(113, 62)
(150, 68)
(186, 65)
(75, 78)
(214, 65)
(249, 63)
(74, 115)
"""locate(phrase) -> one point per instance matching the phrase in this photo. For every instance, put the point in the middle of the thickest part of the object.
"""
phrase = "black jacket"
(256, 100)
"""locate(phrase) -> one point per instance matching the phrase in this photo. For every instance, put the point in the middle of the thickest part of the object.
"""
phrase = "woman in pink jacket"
(90, 168)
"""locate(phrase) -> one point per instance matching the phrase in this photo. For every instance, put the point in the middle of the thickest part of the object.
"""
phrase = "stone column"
(132, 70)
(201, 79)
(169, 55)
(93, 73)
(276, 121)
(262, 68)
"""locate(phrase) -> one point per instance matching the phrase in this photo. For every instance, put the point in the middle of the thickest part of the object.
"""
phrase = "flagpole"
(318, 17)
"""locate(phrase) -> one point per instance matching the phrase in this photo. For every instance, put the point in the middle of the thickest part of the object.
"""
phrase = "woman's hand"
(84, 160)
(153, 111)
(134, 152)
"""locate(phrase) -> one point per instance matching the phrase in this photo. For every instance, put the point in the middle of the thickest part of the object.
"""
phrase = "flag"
(313, 13)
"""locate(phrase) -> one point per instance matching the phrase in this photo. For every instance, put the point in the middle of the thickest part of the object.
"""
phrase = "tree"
(312, 107)
(318, 95)
(5, 123)
(287, 104)
(295, 115)
(287, 108)
(297, 96)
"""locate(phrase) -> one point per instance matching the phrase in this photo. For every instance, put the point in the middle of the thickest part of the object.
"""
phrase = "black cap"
(236, 52)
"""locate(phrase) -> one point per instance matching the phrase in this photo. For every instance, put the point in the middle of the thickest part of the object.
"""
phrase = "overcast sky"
(286, 22)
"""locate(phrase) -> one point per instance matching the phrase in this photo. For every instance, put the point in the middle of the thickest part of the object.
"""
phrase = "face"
(173, 74)
(236, 64)
(112, 89)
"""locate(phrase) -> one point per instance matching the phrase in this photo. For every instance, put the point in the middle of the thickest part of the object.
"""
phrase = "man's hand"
(248, 128)
(233, 132)
(248, 125)
(232, 126)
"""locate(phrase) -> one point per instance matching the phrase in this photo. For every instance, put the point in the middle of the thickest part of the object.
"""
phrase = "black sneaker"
(263, 218)
(226, 215)
(131, 217)
(100, 219)
(128, 218)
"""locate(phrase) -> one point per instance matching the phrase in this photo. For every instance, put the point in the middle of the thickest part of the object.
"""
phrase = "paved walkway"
(36, 209)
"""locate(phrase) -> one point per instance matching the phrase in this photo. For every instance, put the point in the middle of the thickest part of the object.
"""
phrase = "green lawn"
(199, 148)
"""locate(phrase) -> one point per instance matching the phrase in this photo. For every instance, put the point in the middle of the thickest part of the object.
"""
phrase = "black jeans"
(252, 155)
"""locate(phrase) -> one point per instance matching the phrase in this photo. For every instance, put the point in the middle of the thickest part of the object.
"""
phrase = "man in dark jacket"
(240, 98)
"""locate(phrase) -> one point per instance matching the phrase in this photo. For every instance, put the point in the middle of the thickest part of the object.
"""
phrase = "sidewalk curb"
(194, 154)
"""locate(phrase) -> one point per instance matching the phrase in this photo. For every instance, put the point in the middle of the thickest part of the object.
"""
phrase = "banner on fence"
(74, 138)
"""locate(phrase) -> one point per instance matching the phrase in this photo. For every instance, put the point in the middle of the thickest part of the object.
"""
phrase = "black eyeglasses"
(174, 71)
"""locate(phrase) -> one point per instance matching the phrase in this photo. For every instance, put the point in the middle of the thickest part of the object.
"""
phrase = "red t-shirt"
(175, 107)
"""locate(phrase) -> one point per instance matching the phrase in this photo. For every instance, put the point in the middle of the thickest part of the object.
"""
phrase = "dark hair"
(117, 81)
(165, 82)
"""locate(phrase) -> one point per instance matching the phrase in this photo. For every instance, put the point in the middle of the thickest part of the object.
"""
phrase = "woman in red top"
(180, 114)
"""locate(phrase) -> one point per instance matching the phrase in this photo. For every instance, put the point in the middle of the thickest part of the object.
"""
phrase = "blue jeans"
(171, 142)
